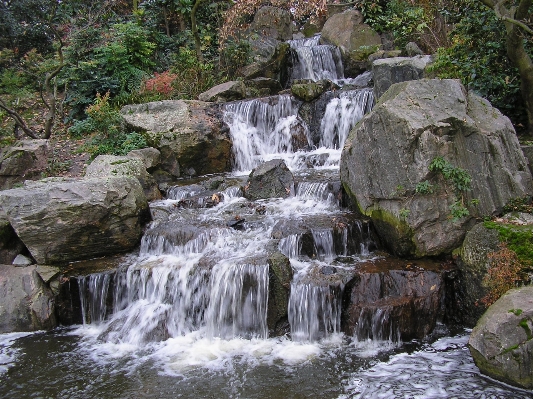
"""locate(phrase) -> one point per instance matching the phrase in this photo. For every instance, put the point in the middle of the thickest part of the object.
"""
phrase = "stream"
(189, 314)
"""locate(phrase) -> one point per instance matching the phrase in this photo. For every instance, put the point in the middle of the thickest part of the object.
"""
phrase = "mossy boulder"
(502, 341)
(190, 135)
(26, 159)
(389, 152)
(308, 91)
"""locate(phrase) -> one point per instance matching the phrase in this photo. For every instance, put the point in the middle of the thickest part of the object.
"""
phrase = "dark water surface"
(73, 364)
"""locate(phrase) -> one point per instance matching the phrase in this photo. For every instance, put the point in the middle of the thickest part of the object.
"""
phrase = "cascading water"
(193, 311)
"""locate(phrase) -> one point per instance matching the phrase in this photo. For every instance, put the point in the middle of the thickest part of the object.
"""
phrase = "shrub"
(505, 272)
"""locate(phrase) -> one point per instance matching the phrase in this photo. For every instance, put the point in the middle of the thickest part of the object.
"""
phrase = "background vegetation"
(60, 64)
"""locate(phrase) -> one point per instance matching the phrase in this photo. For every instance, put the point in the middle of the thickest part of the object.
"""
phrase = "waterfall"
(93, 297)
(264, 127)
(314, 311)
(376, 324)
(324, 244)
(342, 113)
(238, 302)
(315, 62)
(291, 246)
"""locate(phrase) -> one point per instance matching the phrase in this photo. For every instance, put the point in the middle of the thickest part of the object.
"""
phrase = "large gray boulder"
(270, 60)
(474, 263)
(190, 135)
(502, 341)
(271, 179)
(62, 220)
(272, 22)
(389, 152)
(26, 303)
(228, 91)
(26, 159)
(388, 71)
(356, 39)
(129, 166)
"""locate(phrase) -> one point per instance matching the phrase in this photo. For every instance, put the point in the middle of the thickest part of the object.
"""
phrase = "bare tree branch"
(19, 121)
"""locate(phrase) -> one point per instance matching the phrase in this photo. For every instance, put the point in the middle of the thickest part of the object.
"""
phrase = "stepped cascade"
(260, 297)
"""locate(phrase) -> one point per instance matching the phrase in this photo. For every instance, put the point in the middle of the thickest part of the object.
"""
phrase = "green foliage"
(478, 57)
(104, 126)
(520, 204)
(235, 55)
(460, 178)
(458, 210)
(518, 238)
(193, 77)
(405, 20)
(404, 213)
(118, 64)
(424, 187)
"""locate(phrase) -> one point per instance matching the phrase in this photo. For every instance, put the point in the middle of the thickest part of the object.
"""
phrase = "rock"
(528, 153)
(26, 304)
(190, 135)
(151, 157)
(502, 341)
(62, 220)
(380, 54)
(308, 91)
(412, 49)
(26, 159)
(478, 244)
(21, 260)
(392, 300)
(356, 39)
(270, 62)
(280, 277)
(389, 152)
(228, 91)
(237, 224)
(128, 166)
(388, 71)
(47, 273)
(261, 87)
(271, 179)
(10, 244)
(272, 22)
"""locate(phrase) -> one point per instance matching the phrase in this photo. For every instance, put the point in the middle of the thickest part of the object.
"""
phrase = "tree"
(516, 19)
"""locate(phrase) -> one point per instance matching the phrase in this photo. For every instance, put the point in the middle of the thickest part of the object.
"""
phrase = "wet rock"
(478, 244)
(271, 179)
(272, 22)
(270, 60)
(26, 303)
(280, 276)
(61, 220)
(236, 223)
(394, 300)
(228, 91)
(190, 135)
(261, 87)
(25, 160)
(328, 270)
(389, 152)
(308, 91)
(388, 71)
(502, 341)
(129, 166)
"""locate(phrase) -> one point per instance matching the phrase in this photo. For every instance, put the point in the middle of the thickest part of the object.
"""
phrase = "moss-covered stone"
(280, 276)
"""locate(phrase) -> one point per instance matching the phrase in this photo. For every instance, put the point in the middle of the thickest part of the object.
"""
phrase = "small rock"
(328, 270)
(21, 260)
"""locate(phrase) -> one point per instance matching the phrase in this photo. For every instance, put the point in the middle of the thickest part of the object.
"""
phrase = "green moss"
(518, 238)
(516, 312)
(524, 324)
(510, 349)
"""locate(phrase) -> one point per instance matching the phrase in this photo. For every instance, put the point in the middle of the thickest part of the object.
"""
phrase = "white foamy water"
(9, 354)
(440, 370)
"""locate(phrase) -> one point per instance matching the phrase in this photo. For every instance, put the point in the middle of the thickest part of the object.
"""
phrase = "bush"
(477, 56)
(193, 77)
(106, 131)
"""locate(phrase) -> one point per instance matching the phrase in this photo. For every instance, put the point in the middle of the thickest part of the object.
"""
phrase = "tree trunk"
(513, 18)
(194, 29)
